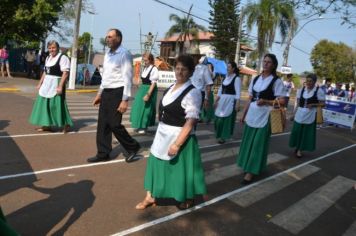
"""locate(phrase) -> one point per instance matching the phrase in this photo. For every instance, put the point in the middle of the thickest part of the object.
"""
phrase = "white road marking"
(224, 196)
(298, 216)
(255, 194)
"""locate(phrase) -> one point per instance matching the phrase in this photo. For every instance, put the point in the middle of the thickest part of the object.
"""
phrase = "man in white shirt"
(202, 80)
(113, 95)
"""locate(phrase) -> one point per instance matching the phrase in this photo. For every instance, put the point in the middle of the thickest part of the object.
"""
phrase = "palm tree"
(103, 43)
(268, 15)
(185, 27)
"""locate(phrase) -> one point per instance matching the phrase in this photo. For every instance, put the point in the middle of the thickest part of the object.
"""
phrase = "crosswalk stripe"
(351, 231)
(83, 112)
(228, 171)
(219, 154)
(71, 108)
(257, 193)
(296, 217)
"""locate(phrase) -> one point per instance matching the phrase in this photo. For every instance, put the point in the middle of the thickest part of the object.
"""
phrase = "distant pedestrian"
(4, 61)
(327, 88)
(227, 104)
(289, 88)
(30, 58)
(50, 108)
(113, 96)
(174, 167)
(338, 91)
(143, 110)
(303, 135)
(263, 90)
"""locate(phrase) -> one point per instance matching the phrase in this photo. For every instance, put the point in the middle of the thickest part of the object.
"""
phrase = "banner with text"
(166, 78)
(339, 111)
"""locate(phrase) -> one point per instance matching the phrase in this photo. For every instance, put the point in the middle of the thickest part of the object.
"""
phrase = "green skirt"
(224, 126)
(4, 227)
(50, 112)
(143, 114)
(252, 157)
(181, 178)
(303, 136)
(207, 115)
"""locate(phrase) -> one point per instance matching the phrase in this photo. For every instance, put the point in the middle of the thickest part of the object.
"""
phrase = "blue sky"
(124, 14)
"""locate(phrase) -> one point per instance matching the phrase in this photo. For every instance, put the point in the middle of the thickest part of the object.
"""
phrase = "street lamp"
(92, 13)
(291, 36)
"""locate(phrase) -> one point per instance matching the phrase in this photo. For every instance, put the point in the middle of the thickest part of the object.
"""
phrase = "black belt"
(112, 89)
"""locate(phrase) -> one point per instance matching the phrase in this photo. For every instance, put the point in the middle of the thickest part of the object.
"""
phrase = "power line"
(181, 10)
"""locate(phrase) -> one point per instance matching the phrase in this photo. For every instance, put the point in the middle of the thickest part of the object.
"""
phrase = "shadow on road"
(62, 208)
(12, 162)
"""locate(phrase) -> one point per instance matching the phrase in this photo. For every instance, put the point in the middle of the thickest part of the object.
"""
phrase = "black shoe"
(221, 141)
(98, 159)
(246, 182)
(131, 156)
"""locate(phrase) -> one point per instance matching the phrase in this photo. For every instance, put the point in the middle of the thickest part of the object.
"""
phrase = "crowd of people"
(174, 167)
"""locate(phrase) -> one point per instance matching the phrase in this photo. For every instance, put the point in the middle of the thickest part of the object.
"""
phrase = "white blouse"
(237, 85)
(306, 115)
(153, 75)
(257, 116)
(191, 101)
(64, 62)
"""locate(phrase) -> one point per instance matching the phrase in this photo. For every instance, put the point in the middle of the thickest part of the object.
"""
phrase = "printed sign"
(339, 111)
(286, 69)
(166, 79)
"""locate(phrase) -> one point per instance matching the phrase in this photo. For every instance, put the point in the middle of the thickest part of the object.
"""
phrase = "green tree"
(268, 16)
(186, 29)
(224, 24)
(24, 21)
(333, 60)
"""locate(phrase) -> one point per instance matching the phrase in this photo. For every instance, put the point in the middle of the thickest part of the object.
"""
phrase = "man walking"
(113, 95)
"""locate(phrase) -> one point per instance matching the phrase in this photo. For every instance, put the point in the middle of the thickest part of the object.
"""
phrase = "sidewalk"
(22, 84)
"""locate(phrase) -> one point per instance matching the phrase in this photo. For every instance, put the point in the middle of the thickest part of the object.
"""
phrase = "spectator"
(327, 88)
(289, 87)
(30, 60)
(338, 91)
(4, 62)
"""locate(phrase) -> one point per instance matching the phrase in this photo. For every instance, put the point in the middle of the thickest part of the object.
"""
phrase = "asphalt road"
(48, 188)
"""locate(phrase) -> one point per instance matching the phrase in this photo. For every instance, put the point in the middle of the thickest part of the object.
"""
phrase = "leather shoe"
(131, 156)
(246, 182)
(98, 159)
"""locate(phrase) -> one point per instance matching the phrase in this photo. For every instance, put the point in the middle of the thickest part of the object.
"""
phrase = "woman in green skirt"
(226, 104)
(303, 136)
(50, 107)
(174, 168)
(5, 229)
(143, 112)
(263, 90)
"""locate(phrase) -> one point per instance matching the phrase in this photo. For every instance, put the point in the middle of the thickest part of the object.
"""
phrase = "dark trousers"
(109, 122)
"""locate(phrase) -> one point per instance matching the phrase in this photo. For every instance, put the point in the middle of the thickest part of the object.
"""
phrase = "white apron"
(226, 105)
(164, 138)
(49, 86)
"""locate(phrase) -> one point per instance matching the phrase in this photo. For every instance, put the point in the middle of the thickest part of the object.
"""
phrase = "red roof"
(247, 71)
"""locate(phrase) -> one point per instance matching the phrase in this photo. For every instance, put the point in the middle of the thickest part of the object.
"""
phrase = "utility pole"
(238, 44)
(73, 62)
